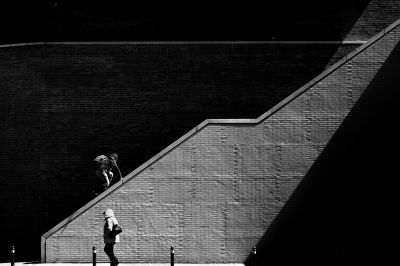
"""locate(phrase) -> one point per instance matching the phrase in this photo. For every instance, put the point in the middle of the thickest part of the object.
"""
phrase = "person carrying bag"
(111, 235)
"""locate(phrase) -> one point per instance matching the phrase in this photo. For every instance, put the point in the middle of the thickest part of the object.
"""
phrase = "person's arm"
(106, 177)
(110, 176)
(115, 165)
(119, 172)
(109, 225)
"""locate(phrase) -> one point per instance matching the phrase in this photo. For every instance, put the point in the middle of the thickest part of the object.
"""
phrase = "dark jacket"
(110, 220)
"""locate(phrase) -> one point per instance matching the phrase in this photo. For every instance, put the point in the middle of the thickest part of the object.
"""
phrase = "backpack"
(116, 230)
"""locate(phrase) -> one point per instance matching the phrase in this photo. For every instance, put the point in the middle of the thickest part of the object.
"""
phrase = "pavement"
(121, 264)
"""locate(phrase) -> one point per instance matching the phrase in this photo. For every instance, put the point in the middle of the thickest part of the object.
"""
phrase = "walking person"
(113, 167)
(109, 239)
(103, 174)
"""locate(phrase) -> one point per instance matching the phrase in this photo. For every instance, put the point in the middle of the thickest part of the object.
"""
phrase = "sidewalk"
(121, 264)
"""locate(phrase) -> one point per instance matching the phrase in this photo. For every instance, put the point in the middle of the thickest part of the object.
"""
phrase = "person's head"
(101, 161)
(113, 156)
(108, 213)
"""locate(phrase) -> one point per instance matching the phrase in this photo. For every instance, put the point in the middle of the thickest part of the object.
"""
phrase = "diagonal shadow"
(62, 190)
(341, 211)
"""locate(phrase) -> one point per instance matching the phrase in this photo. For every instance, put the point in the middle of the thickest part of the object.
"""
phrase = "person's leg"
(116, 262)
(109, 250)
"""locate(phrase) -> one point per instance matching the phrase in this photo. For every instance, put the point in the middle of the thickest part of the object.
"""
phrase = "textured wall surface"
(62, 105)
(215, 194)
(303, 20)
(376, 15)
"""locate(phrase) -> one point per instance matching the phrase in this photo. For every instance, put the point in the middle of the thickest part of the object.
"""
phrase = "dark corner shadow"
(342, 210)
(306, 20)
(348, 13)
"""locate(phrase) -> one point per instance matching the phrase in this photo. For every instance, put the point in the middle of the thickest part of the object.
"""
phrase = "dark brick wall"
(300, 20)
(20, 182)
(209, 20)
(295, 184)
(65, 104)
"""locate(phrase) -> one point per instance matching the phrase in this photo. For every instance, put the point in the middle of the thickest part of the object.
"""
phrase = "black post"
(254, 255)
(94, 256)
(172, 256)
(12, 256)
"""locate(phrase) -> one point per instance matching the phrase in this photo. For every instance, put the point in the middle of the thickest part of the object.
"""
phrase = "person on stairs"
(114, 169)
(103, 175)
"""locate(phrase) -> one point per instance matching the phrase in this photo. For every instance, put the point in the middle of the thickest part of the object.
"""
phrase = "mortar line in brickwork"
(237, 161)
(308, 116)
(348, 42)
(205, 123)
(349, 90)
(151, 193)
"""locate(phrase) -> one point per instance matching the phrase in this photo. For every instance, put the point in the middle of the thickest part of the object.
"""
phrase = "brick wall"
(303, 20)
(59, 105)
(376, 15)
(19, 179)
(216, 192)
(65, 104)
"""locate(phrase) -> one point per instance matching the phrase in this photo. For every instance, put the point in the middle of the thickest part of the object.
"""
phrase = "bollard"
(94, 256)
(172, 256)
(12, 256)
(254, 252)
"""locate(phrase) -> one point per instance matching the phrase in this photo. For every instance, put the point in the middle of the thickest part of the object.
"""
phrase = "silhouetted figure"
(114, 169)
(102, 173)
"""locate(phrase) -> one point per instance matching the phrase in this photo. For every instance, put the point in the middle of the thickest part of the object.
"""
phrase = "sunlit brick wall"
(214, 195)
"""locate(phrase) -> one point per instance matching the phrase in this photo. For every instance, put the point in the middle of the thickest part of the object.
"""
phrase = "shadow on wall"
(342, 210)
(67, 20)
(46, 189)
(36, 194)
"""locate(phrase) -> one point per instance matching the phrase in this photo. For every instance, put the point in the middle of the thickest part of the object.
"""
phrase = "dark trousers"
(109, 250)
